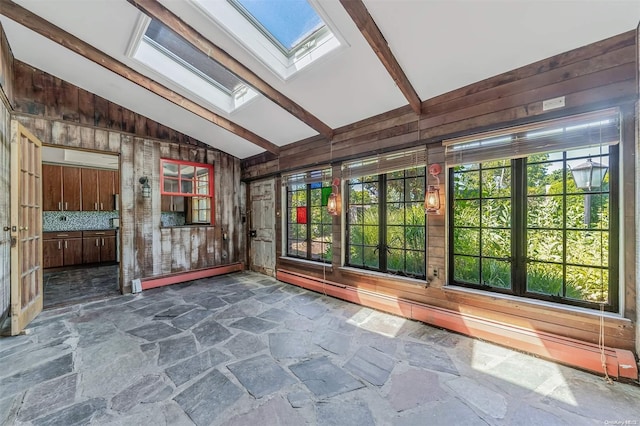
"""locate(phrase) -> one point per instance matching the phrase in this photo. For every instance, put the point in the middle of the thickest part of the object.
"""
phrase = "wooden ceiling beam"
(155, 10)
(69, 41)
(367, 26)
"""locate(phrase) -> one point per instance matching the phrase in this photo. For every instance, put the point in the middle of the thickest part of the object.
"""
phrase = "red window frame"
(193, 180)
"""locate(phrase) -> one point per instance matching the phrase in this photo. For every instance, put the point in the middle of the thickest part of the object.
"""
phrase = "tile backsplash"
(77, 221)
(172, 219)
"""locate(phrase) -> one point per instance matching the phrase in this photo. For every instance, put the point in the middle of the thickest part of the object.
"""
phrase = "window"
(188, 189)
(522, 225)
(386, 227)
(179, 61)
(309, 234)
(285, 35)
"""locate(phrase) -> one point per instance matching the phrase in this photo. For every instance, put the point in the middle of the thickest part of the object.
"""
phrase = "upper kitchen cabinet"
(61, 188)
(98, 190)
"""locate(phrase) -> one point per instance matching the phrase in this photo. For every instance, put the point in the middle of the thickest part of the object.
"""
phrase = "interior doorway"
(262, 229)
(81, 226)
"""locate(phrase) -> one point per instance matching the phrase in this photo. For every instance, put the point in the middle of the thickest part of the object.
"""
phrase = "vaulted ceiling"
(424, 49)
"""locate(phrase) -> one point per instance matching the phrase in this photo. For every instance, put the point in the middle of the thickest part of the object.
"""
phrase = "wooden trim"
(367, 26)
(155, 10)
(160, 281)
(69, 41)
(620, 363)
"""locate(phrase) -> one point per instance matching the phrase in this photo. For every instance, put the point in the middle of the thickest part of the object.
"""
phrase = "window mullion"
(519, 201)
(309, 220)
(382, 231)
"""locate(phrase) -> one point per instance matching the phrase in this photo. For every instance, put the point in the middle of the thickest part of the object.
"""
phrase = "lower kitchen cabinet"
(61, 249)
(98, 246)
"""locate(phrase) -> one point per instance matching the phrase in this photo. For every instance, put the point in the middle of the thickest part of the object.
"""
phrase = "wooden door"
(51, 188)
(90, 202)
(108, 249)
(26, 227)
(52, 253)
(91, 250)
(105, 190)
(262, 230)
(71, 188)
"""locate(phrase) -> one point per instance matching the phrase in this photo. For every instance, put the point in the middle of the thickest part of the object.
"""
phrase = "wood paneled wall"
(40, 94)
(147, 249)
(599, 75)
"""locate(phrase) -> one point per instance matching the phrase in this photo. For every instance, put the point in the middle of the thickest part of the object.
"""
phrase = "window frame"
(520, 230)
(194, 195)
(308, 238)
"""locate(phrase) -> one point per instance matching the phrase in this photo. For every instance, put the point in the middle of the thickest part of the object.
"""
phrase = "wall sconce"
(432, 197)
(146, 188)
(334, 198)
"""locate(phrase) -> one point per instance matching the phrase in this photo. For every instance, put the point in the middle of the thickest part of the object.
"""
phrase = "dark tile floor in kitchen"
(76, 285)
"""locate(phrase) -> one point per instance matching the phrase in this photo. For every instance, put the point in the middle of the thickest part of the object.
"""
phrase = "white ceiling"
(440, 44)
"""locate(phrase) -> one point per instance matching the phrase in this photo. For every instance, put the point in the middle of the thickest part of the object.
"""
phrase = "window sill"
(404, 280)
(312, 264)
(542, 304)
(195, 225)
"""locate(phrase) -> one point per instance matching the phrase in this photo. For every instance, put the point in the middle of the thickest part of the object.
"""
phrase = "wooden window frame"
(194, 184)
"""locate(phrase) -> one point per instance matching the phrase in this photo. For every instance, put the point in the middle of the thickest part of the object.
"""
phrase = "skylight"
(288, 23)
(285, 35)
(170, 55)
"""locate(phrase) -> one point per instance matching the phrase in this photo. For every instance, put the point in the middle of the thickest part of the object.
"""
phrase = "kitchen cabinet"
(60, 188)
(61, 249)
(98, 246)
(98, 190)
(172, 203)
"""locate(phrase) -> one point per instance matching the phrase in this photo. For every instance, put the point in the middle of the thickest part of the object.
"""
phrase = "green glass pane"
(588, 284)
(415, 264)
(466, 269)
(395, 260)
(327, 232)
(588, 248)
(356, 235)
(415, 237)
(356, 194)
(414, 190)
(371, 257)
(496, 182)
(395, 191)
(466, 241)
(371, 216)
(544, 278)
(356, 255)
(544, 212)
(415, 214)
(395, 236)
(496, 273)
(356, 215)
(466, 213)
(496, 243)
(545, 178)
(496, 213)
(326, 192)
(544, 245)
(371, 235)
(328, 252)
(315, 197)
(466, 185)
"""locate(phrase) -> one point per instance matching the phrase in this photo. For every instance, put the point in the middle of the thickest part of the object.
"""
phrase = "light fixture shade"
(333, 203)
(146, 188)
(432, 200)
(589, 175)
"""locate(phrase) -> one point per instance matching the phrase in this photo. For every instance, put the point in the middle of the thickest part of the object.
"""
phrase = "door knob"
(6, 228)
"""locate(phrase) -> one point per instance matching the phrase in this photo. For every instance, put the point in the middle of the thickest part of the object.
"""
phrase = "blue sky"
(288, 21)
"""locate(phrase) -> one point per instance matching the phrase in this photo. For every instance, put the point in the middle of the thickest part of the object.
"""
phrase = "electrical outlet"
(435, 272)
(553, 103)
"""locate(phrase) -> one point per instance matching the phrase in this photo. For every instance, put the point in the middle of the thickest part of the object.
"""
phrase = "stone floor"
(244, 349)
(82, 284)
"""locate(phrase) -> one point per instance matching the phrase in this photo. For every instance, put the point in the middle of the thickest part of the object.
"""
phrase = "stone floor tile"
(36, 374)
(310, 310)
(208, 398)
(48, 396)
(449, 412)
(414, 388)
(243, 345)
(77, 414)
(299, 398)
(428, 356)
(277, 315)
(210, 332)
(324, 378)
(148, 389)
(382, 343)
(332, 341)
(384, 324)
(272, 298)
(261, 375)
(190, 319)
(371, 365)
(211, 303)
(289, 345)
(192, 367)
(481, 397)
(253, 325)
(174, 312)
(175, 349)
(154, 331)
(154, 308)
(343, 413)
(275, 412)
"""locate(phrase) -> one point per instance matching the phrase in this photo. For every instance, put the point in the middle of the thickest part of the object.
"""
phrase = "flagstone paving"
(245, 349)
